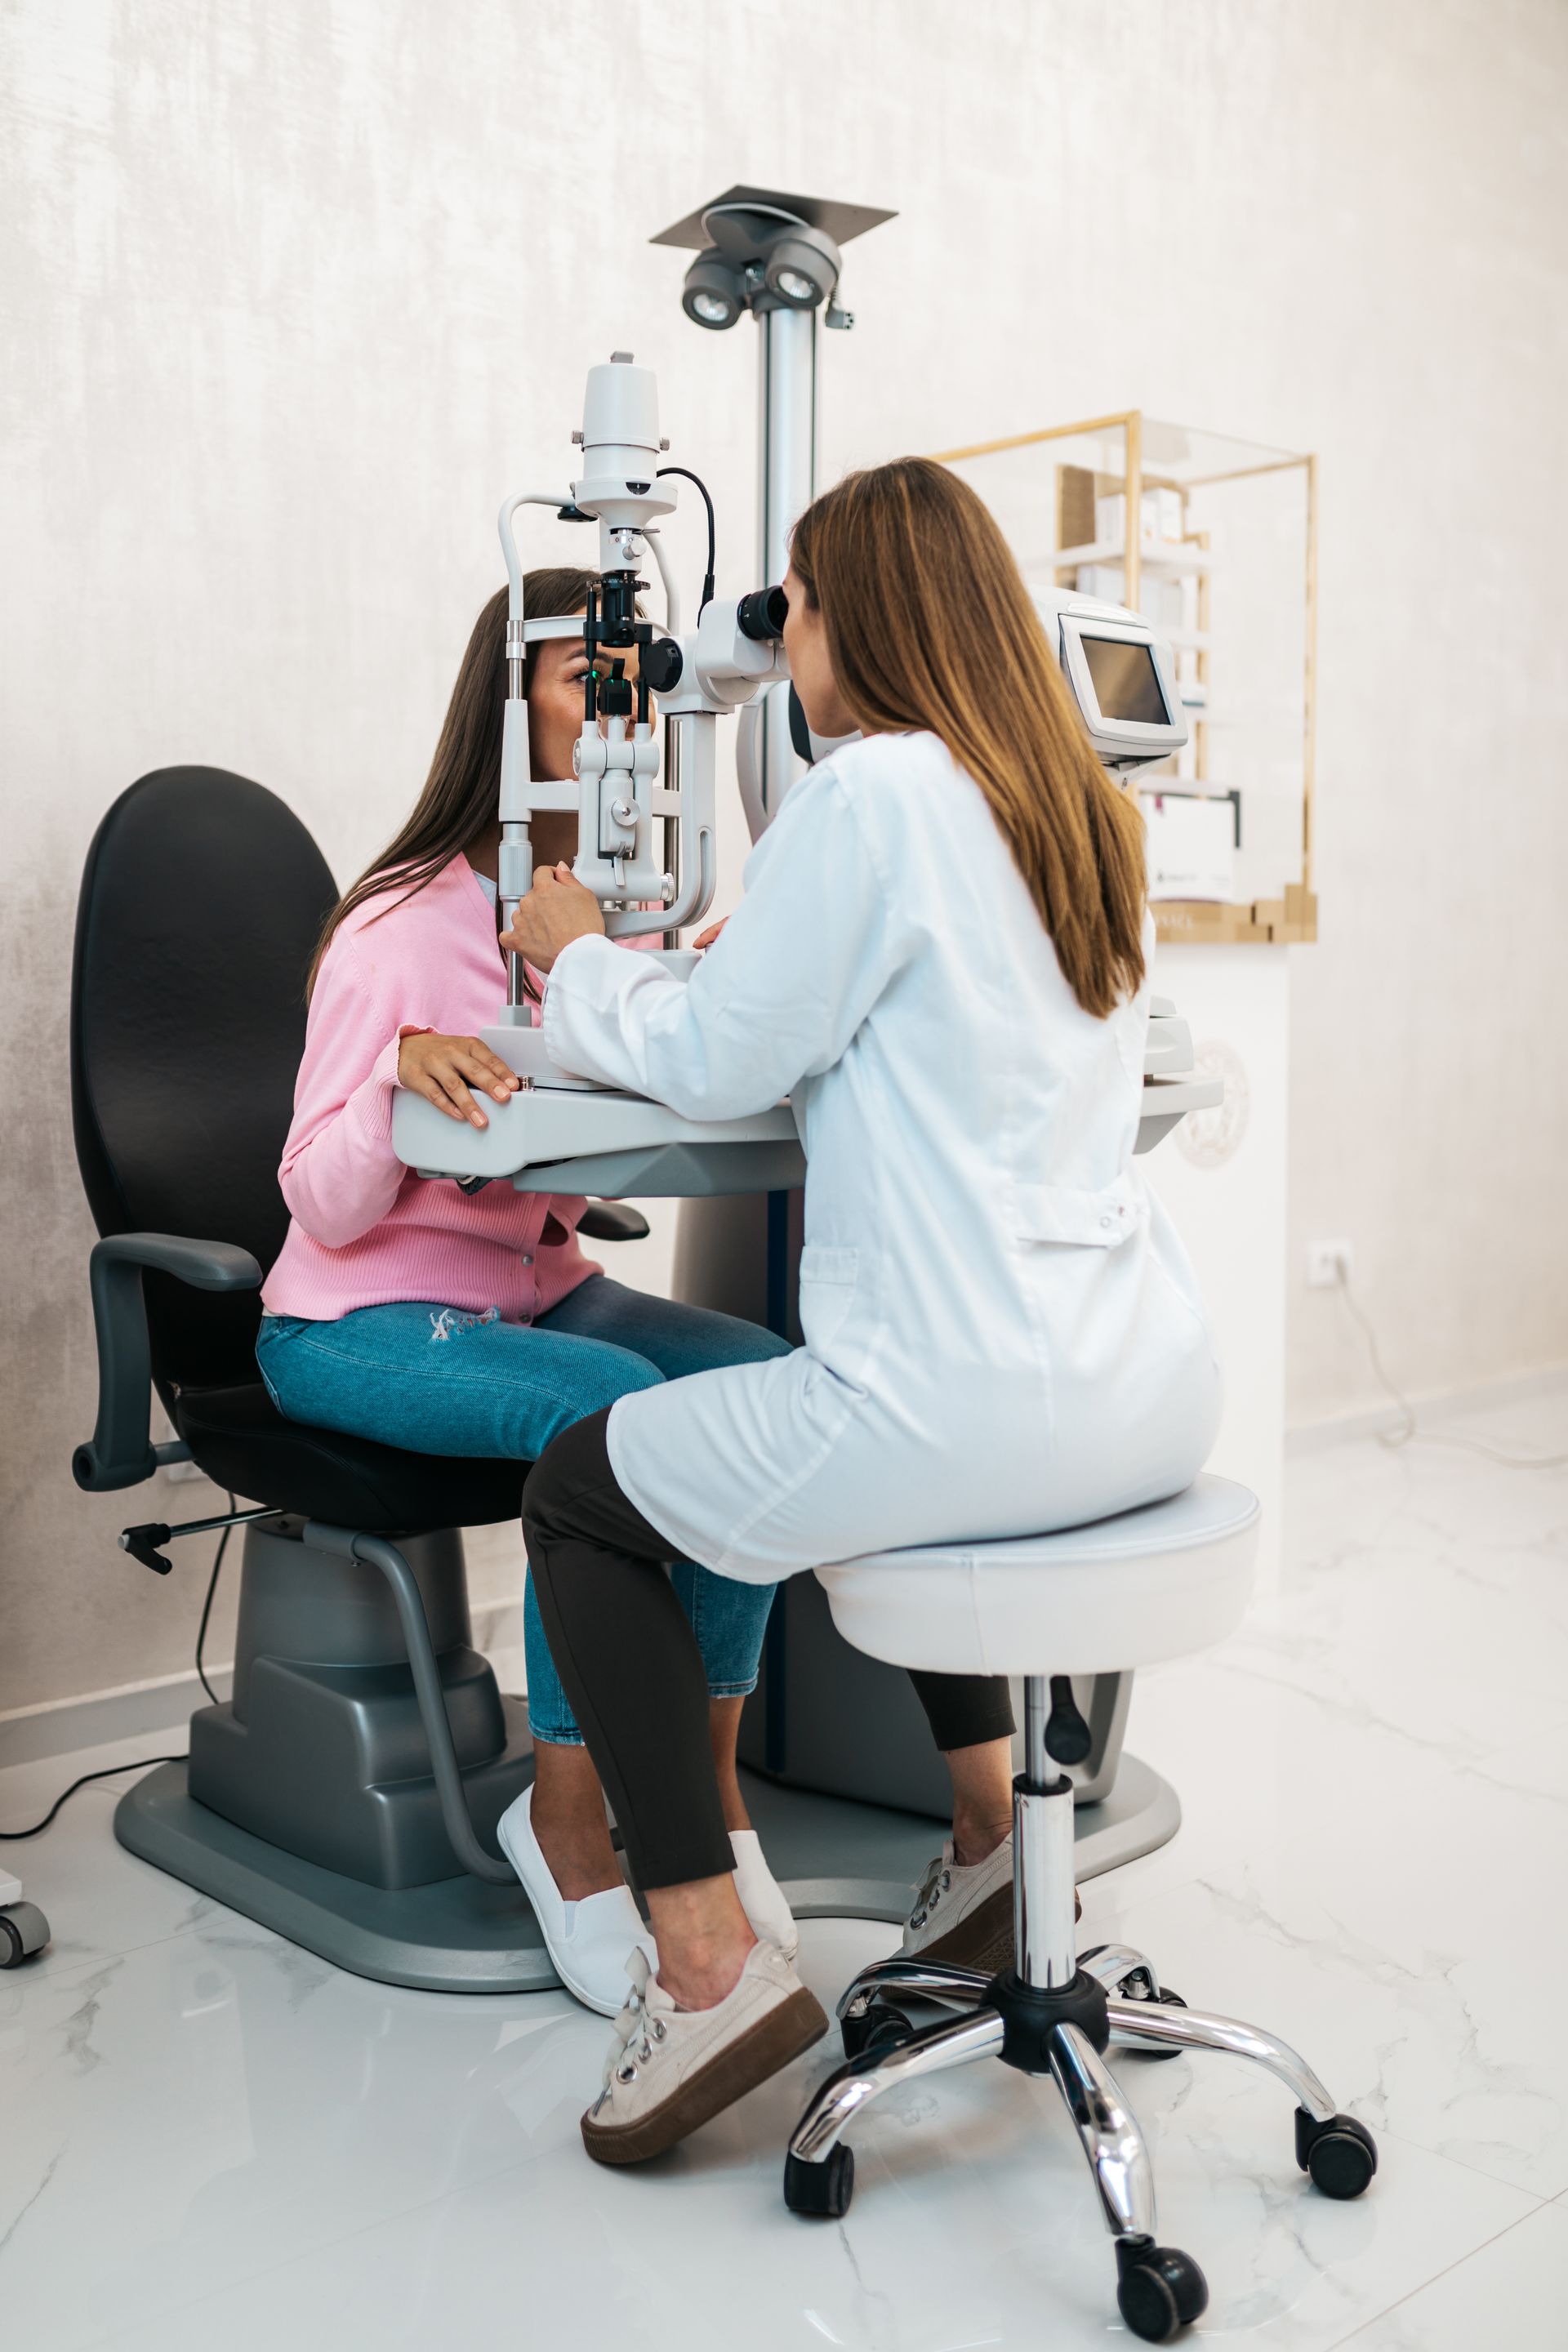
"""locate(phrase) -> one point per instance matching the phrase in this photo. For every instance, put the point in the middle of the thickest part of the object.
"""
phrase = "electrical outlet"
(1328, 1264)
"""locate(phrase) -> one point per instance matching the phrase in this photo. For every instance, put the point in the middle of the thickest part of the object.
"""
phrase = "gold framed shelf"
(1223, 558)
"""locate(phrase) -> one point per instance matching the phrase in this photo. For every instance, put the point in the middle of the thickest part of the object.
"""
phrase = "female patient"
(1002, 1332)
(404, 1310)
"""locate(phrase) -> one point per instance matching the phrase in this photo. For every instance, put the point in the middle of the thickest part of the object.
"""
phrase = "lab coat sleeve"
(799, 965)
(340, 1174)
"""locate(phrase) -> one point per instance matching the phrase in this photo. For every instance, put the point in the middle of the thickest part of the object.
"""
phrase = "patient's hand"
(437, 1068)
(557, 910)
(706, 939)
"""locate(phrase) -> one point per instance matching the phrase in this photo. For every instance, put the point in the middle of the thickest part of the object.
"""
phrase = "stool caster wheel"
(24, 1930)
(1160, 2290)
(879, 2026)
(822, 2190)
(1340, 2154)
(1168, 2000)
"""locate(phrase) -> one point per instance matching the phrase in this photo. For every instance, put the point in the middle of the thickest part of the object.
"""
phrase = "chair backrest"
(201, 902)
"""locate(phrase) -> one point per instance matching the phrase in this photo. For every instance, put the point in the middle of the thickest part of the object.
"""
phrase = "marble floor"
(208, 2137)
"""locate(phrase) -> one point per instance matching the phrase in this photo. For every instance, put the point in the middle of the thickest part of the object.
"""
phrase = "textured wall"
(292, 292)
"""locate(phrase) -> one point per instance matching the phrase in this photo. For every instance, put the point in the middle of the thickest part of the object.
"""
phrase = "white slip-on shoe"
(762, 1896)
(670, 2070)
(963, 1912)
(589, 1942)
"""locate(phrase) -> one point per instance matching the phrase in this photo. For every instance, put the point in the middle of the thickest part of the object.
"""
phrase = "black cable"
(141, 1763)
(208, 1608)
(688, 476)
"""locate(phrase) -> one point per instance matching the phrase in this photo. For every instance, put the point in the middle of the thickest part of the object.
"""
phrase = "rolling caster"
(878, 2026)
(822, 2190)
(1340, 2154)
(1159, 2290)
(1171, 2000)
(24, 1930)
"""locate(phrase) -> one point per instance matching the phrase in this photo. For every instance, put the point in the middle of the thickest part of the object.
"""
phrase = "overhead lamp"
(712, 295)
(802, 268)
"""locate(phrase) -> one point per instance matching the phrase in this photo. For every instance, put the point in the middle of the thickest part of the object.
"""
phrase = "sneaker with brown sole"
(672, 2070)
(963, 1912)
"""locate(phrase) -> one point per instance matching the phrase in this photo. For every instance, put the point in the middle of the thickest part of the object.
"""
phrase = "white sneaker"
(671, 2069)
(963, 1912)
(589, 1942)
(762, 1896)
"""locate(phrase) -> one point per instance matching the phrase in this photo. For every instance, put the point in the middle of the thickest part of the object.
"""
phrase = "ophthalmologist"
(943, 959)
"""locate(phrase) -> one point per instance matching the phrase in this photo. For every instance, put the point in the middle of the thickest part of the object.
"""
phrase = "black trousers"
(630, 1665)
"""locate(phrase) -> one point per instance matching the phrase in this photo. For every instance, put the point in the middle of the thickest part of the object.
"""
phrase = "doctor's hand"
(706, 939)
(557, 910)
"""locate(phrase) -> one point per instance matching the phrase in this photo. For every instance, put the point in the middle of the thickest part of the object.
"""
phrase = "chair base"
(456, 1934)
(1056, 2013)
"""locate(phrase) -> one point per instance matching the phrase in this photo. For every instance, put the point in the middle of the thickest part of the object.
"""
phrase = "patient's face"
(554, 723)
(556, 707)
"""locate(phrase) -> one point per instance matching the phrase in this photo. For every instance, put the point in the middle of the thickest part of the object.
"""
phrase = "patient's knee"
(572, 1465)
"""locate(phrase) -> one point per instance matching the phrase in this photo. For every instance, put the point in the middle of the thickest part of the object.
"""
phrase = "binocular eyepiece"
(762, 615)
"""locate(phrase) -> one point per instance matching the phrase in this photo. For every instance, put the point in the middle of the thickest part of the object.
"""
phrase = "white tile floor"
(208, 2138)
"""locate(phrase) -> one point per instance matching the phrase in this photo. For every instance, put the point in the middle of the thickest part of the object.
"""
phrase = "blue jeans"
(437, 1380)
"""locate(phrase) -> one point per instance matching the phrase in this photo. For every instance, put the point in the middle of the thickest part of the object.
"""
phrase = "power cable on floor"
(143, 1763)
(1408, 1427)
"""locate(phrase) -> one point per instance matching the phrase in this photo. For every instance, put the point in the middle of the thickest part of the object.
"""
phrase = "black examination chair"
(347, 1794)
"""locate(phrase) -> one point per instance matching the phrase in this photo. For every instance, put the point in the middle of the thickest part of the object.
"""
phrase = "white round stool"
(1148, 1584)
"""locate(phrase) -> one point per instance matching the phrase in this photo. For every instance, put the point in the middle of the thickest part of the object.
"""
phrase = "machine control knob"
(662, 663)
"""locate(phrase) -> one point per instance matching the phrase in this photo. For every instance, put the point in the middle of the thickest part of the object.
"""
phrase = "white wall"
(292, 292)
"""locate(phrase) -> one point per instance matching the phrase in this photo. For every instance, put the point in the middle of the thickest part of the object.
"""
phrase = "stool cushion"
(1125, 1591)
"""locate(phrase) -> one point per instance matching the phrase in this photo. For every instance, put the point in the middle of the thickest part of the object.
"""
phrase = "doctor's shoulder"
(893, 783)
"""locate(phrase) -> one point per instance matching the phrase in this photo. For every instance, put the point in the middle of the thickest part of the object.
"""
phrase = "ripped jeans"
(438, 1381)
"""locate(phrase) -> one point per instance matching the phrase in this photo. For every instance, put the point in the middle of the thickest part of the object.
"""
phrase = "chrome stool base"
(1057, 2013)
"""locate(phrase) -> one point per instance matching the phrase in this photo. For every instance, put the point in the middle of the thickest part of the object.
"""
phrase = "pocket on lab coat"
(827, 1279)
(1102, 1219)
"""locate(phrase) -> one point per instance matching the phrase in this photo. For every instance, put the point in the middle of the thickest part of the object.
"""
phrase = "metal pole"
(1045, 1942)
(787, 483)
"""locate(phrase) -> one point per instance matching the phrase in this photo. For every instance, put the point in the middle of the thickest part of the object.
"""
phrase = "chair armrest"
(613, 1221)
(119, 1452)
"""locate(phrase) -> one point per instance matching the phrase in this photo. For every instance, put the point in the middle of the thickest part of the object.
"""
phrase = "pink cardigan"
(365, 1230)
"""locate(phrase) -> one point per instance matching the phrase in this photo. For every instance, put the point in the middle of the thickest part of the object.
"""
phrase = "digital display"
(1126, 682)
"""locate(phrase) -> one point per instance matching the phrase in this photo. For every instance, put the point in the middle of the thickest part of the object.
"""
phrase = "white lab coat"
(1003, 1334)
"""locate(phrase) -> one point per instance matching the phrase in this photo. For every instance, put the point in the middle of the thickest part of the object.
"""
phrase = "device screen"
(1126, 683)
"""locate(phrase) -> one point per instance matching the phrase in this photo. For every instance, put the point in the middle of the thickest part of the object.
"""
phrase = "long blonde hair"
(930, 626)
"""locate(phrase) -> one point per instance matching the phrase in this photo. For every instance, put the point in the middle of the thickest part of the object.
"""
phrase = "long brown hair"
(462, 792)
(929, 626)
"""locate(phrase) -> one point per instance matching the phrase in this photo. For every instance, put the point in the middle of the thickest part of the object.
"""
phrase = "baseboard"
(1438, 1405)
(132, 1711)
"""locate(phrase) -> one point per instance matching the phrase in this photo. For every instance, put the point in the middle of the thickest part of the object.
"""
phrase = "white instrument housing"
(565, 1134)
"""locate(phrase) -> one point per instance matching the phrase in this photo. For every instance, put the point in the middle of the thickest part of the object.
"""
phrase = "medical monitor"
(1122, 674)
(1126, 682)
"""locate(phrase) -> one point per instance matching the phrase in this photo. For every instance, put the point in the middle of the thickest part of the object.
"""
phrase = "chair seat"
(238, 1437)
(1125, 1591)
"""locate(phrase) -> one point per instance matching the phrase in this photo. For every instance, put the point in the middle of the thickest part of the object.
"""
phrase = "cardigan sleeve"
(339, 1173)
